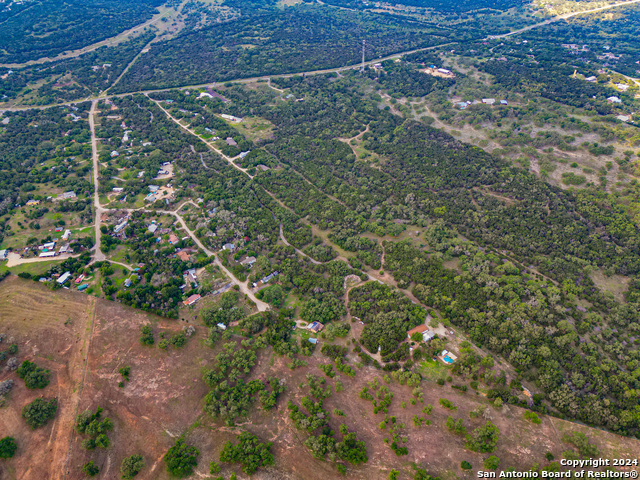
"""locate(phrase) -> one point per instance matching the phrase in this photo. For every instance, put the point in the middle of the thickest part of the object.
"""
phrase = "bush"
(447, 404)
(33, 375)
(249, 452)
(492, 463)
(131, 466)
(39, 412)
(8, 447)
(90, 469)
(532, 417)
(465, 465)
(181, 458)
(483, 439)
(581, 442)
(88, 423)
(146, 335)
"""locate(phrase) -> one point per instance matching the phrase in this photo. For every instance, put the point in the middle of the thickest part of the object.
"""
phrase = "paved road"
(268, 78)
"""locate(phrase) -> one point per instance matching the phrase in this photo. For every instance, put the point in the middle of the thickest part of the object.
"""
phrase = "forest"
(45, 28)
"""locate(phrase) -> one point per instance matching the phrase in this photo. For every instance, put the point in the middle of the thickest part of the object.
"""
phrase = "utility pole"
(363, 44)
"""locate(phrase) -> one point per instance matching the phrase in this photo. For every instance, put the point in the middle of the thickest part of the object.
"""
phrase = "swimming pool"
(447, 359)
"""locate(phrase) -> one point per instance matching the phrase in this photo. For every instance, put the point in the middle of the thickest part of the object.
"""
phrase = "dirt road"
(98, 256)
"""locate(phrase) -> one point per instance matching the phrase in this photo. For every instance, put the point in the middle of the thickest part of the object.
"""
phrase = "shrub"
(250, 452)
(465, 465)
(39, 412)
(447, 404)
(581, 442)
(90, 424)
(532, 417)
(33, 375)
(90, 469)
(181, 458)
(483, 439)
(492, 463)
(131, 466)
(8, 447)
(146, 335)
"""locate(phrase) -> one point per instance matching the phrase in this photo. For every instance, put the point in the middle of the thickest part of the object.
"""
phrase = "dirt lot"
(66, 331)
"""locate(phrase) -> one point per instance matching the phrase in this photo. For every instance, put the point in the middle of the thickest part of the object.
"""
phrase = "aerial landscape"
(318, 239)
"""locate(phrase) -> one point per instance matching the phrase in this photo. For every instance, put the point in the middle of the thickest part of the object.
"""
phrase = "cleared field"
(84, 341)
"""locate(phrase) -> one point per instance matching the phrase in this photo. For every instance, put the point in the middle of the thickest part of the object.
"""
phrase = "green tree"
(33, 376)
(8, 447)
(131, 466)
(90, 469)
(465, 465)
(250, 452)
(181, 458)
(39, 412)
(492, 463)
(483, 439)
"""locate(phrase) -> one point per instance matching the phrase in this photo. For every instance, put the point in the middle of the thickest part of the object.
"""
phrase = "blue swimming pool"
(447, 359)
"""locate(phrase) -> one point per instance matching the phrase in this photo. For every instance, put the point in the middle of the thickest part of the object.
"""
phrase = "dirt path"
(13, 259)
(134, 60)
(207, 143)
(98, 256)
(69, 406)
(300, 252)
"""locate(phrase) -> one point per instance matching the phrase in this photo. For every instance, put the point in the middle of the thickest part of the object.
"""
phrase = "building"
(173, 239)
(315, 327)
(82, 287)
(313, 340)
(229, 246)
(192, 299)
(67, 195)
(444, 71)
(184, 256)
(66, 235)
(79, 279)
(64, 277)
(120, 227)
(32, 202)
(504, 102)
(231, 142)
(153, 188)
(419, 329)
(3, 254)
(623, 87)
(221, 326)
(488, 101)
(231, 118)
(248, 261)
(614, 100)
(591, 79)
(152, 228)
(114, 154)
(623, 118)
(47, 254)
(49, 246)
(127, 283)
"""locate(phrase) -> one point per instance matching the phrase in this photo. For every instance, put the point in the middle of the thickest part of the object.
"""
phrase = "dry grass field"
(84, 341)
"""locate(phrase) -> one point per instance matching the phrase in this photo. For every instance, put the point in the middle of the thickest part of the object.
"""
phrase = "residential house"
(315, 327)
(192, 299)
(3, 254)
(313, 340)
(173, 239)
(66, 235)
(184, 256)
(64, 277)
(152, 228)
(67, 195)
(231, 118)
(229, 246)
(231, 142)
(248, 261)
(120, 227)
(32, 202)
(419, 329)
(488, 101)
(614, 100)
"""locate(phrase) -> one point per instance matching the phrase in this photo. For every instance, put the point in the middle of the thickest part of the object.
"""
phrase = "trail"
(207, 143)
(300, 252)
(98, 256)
(126, 69)
(70, 407)
(327, 70)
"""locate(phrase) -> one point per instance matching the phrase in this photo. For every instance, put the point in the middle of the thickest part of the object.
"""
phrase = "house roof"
(418, 329)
